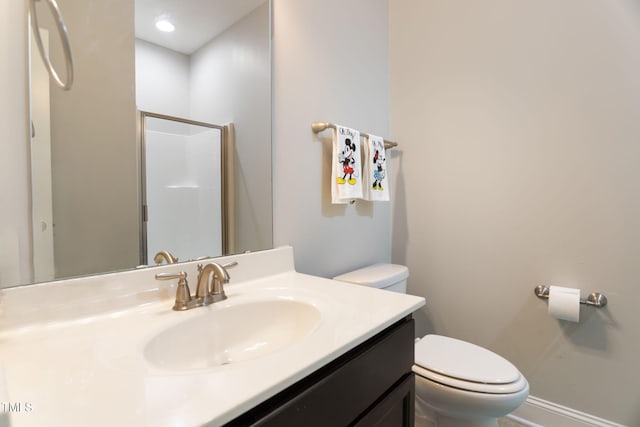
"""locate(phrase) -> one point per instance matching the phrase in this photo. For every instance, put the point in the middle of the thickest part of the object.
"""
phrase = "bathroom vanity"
(369, 385)
(283, 349)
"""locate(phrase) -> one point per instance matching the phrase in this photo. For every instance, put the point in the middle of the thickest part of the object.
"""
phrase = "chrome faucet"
(164, 256)
(211, 289)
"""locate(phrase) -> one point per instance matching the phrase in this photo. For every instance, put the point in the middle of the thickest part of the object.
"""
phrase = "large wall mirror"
(86, 151)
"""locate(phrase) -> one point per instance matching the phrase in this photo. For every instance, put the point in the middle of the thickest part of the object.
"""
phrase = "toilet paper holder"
(595, 299)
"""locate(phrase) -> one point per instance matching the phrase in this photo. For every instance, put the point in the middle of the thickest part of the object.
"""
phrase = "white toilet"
(458, 384)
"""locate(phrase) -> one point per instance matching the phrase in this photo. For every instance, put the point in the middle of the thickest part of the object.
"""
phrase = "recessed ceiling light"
(164, 25)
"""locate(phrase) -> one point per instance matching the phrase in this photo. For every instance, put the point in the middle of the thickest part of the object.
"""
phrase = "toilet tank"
(391, 277)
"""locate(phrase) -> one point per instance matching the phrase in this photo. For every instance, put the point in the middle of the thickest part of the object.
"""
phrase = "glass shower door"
(183, 188)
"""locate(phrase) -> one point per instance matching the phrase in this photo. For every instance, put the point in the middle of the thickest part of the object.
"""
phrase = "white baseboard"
(536, 412)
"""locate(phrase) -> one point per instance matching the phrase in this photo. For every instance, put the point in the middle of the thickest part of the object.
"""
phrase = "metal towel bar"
(318, 127)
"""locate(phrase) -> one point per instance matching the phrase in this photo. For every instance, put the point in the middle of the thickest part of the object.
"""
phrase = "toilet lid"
(448, 360)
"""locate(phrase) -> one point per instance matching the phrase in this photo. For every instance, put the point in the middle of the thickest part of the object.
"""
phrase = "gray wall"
(230, 82)
(162, 80)
(519, 130)
(94, 150)
(330, 63)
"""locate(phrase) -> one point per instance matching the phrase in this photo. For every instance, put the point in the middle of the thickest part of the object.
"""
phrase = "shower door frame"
(143, 178)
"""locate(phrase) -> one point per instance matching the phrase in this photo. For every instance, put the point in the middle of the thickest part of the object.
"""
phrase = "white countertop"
(65, 371)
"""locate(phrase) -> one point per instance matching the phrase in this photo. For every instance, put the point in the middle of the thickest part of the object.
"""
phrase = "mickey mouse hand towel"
(346, 182)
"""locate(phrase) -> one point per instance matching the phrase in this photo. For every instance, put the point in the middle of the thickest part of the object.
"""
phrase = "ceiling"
(196, 21)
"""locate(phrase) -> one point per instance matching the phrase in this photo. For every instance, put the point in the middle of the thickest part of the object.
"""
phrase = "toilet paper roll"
(564, 303)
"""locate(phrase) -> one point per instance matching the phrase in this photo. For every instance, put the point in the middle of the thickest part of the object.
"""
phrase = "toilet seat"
(465, 366)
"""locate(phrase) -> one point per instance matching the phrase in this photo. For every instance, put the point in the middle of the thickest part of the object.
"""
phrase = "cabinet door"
(395, 409)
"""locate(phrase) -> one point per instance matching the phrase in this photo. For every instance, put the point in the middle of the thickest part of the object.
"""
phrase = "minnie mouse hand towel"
(375, 170)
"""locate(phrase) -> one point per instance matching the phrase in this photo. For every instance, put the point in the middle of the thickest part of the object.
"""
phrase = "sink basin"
(231, 334)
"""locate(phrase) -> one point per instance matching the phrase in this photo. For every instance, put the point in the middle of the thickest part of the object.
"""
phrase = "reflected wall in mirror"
(95, 177)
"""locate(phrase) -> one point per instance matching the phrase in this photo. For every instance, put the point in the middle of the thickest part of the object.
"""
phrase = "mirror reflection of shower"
(85, 155)
(184, 186)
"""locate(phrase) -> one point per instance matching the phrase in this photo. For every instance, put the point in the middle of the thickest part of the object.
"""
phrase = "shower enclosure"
(184, 188)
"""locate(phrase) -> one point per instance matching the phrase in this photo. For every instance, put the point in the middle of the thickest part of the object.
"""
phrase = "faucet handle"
(183, 294)
(168, 276)
(230, 264)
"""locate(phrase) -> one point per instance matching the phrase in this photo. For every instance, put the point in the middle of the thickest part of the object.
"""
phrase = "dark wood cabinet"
(371, 385)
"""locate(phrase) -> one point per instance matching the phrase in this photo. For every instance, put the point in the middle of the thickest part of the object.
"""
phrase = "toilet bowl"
(462, 384)
(458, 384)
